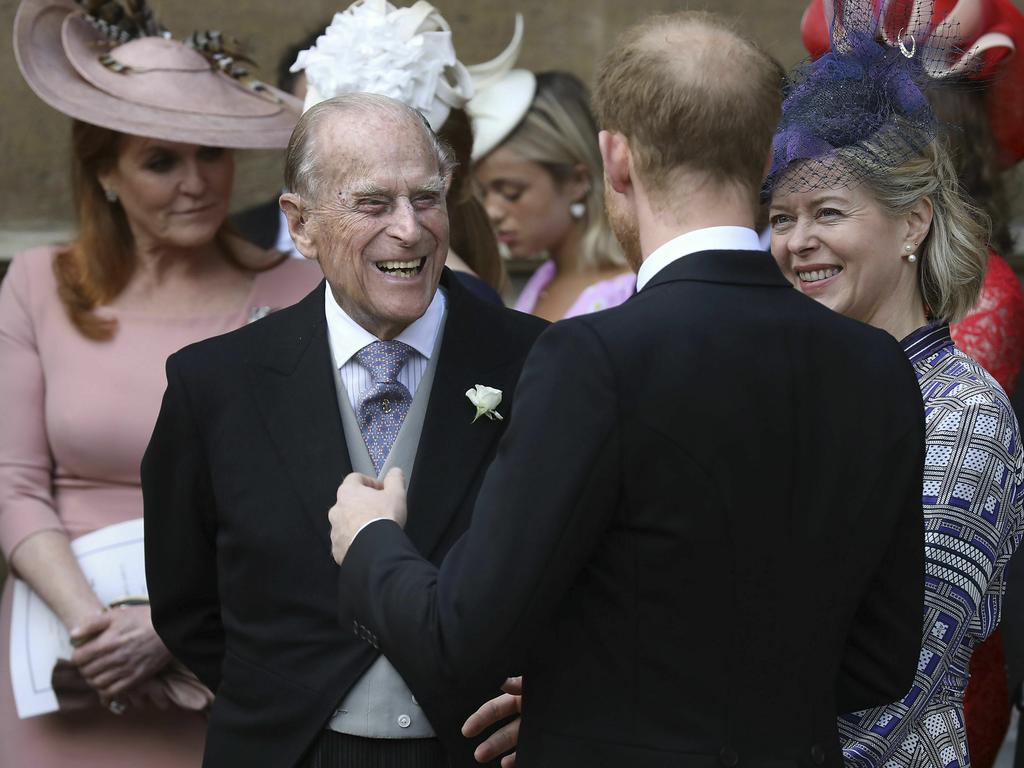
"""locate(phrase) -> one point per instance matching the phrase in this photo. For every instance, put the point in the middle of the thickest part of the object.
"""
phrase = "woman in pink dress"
(538, 167)
(85, 329)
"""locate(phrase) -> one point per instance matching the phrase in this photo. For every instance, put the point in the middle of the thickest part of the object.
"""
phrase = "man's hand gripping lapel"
(361, 501)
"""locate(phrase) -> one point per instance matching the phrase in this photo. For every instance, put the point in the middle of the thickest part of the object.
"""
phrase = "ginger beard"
(622, 220)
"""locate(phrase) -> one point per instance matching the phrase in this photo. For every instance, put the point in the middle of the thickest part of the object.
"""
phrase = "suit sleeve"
(884, 640)
(546, 499)
(180, 537)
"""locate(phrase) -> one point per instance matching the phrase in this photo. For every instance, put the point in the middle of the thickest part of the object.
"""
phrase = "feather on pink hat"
(135, 79)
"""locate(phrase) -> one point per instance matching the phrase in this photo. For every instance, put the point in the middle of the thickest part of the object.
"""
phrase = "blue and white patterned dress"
(973, 477)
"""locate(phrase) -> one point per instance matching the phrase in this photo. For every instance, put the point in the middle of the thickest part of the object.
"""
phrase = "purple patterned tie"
(381, 407)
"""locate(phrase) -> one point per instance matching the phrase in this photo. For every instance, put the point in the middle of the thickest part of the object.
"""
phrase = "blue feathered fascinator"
(863, 98)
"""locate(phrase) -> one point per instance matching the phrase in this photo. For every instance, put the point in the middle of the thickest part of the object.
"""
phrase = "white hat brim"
(497, 109)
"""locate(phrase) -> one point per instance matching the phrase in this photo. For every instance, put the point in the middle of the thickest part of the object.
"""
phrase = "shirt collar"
(347, 337)
(926, 341)
(707, 239)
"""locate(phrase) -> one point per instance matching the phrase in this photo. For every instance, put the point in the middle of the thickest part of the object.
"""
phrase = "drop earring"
(911, 256)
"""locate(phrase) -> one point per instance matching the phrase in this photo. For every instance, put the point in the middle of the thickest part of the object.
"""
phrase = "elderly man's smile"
(409, 268)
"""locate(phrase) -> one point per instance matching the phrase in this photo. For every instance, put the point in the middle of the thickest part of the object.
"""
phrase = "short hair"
(302, 165)
(690, 93)
(953, 255)
(558, 133)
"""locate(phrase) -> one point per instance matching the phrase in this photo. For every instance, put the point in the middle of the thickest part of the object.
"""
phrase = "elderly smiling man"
(258, 427)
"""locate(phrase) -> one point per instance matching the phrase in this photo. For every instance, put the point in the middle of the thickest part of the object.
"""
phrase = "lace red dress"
(993, 334)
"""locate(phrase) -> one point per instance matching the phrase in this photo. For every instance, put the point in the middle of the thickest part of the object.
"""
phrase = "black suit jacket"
(243, 465)
(702, 532)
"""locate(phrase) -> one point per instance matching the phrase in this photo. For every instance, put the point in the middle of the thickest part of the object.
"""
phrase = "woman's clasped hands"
(119, 654)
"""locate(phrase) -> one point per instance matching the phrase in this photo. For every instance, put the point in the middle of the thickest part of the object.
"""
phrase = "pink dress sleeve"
(285, 284)
(538, 281)
(26, 466)
(604, 295)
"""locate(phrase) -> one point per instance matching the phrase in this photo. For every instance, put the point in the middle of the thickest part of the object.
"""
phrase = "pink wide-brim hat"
(166, 90)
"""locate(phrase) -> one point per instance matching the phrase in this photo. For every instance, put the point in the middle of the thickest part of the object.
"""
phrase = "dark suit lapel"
(452, 447)
(293, 384)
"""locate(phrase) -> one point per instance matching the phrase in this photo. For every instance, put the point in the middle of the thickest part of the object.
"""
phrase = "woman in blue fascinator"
(868, 218)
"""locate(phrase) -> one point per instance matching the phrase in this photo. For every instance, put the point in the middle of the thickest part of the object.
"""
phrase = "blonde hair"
(559, 133)
(954, 253)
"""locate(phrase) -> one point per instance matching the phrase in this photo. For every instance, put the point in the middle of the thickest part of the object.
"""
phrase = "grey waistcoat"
(380, 704)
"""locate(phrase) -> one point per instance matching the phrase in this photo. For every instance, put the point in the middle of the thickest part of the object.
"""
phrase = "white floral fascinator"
(404, 53)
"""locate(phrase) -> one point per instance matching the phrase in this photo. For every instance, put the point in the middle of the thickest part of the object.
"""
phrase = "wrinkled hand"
(120, 650)
(361, 500)
(148, 693)
(494, 711)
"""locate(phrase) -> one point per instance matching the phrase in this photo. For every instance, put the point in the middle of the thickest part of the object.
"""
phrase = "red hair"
(97, 266)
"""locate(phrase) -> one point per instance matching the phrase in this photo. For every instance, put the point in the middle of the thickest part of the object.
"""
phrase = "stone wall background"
(563, 34)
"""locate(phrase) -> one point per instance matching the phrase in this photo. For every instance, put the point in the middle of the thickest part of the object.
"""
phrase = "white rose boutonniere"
(485, 400)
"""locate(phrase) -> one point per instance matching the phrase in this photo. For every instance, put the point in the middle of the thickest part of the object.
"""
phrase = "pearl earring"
(911, 256)
(577, 210)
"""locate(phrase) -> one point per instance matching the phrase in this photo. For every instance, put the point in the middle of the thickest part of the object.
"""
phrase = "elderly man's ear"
(298, 224)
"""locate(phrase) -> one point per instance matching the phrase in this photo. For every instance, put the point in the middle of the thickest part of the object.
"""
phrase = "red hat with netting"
(974, 40)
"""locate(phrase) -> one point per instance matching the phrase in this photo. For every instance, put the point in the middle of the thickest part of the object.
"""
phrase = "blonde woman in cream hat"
(407, 53)
(85, 329)
(538, 168)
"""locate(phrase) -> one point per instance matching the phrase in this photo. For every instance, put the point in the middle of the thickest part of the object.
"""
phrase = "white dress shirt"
(347, 337)
(707, 239)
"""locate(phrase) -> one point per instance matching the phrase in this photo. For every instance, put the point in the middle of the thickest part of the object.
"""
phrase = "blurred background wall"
(563, 34)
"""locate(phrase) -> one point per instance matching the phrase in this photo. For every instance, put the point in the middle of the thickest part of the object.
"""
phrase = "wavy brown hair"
(96, 267)
(470, 232)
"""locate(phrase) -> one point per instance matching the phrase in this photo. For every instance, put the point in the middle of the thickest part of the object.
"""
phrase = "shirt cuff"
(369, 522)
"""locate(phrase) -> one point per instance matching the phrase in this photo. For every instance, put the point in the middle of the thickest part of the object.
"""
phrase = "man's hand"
(362, 500)
(494, 711)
